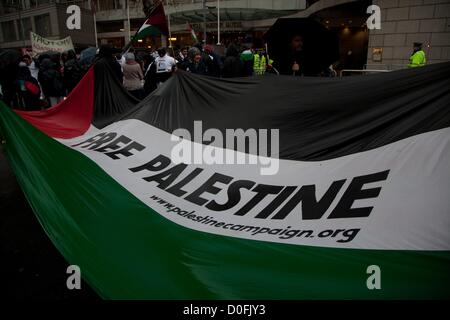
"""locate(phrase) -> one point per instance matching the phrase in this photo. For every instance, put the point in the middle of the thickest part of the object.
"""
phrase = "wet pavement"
(31, 267)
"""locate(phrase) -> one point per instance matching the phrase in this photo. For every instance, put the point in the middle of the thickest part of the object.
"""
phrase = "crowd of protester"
(44, 81)
(40, 82)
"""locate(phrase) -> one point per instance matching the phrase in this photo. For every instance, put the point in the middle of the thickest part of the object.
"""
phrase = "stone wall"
(404, 22)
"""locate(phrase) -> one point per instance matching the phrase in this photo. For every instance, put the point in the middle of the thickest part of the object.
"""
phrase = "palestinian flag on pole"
(358, 199)
(192, 32)
(155, 25)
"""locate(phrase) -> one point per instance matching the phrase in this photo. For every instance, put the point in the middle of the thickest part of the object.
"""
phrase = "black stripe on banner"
(317, 118)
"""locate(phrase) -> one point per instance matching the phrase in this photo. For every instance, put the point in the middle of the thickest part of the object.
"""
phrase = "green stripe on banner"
(147, 32)
(127, 250)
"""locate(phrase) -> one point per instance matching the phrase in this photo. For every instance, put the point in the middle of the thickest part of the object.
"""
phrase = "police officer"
(417, 58)
(261, 62)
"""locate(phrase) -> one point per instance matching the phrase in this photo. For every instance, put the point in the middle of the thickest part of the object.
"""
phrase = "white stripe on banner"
(405, 183)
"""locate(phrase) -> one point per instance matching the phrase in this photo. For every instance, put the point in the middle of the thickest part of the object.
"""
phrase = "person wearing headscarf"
(133, 76)
(195, 63)
(106, 59)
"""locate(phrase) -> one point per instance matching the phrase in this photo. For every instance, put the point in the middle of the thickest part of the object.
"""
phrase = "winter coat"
(50, 79)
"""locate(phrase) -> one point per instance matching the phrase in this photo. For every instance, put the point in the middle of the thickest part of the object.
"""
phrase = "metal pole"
(22, 35)
(204, 21)
(93, 7)
(95, 29)
(218, 22)
(168, 26)
(128, 18)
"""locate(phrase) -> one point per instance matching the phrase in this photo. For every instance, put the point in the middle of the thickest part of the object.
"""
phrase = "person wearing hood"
(233, 65)
(133, 76)
(106, 59)
(72, 71)
(51, 82)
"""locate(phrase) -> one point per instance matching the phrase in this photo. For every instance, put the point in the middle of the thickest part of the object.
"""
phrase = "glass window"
(43, 27)
(109, 5)
(8, 6)
(24, 28)
(110, 26)
(9, 31)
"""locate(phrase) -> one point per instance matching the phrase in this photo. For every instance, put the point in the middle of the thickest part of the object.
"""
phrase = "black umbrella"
(320, 45)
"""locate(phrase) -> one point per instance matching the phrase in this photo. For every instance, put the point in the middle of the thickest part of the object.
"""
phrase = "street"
(31, 265)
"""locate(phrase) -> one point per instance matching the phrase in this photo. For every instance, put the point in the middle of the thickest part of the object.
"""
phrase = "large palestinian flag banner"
(363, 180)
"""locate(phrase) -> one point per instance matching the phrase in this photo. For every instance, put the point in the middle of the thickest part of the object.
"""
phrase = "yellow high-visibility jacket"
(260, 64)
(417, 59)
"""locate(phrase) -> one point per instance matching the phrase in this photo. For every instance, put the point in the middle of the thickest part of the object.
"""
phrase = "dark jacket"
(72, 74)
(232, 66)
(8, 77)
(197, 68)
(105, 61)
(150, 83)
(28, 90)
(50, 79)
(287, 61)
(213, 63)
(307, 63)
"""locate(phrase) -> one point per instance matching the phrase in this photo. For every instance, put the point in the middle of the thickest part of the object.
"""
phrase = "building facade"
(237, 18)
(404, 22)
(44, 17)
